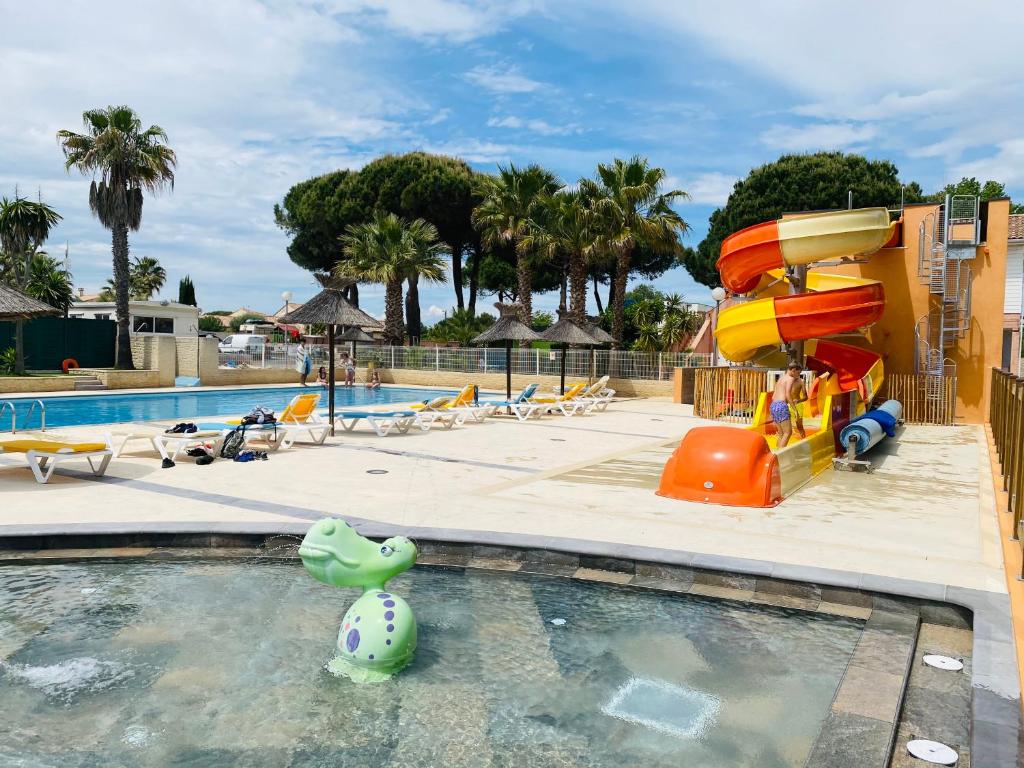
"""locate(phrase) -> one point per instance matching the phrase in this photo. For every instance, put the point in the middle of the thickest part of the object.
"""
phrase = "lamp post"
(719, 295)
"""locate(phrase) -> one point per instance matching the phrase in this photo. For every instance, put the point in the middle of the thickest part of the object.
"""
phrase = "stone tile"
(723, 593)
(548, 569)
(893, 604)
(662, 585)
(901, 758)
(443, 559)
(551, 556)
(950, 641)
(785, 601)
(498, 553)
(850, 741)
(494, 563)
(995, 709)
(869, 693)
(946, 615)
(994, 745)
(595, 574)
(728, 580)
(942, 716)
(787, 588)
(665, 572)
(904, 623)
(842, 609)
(883, 651)
(607, 564)
(845, 596)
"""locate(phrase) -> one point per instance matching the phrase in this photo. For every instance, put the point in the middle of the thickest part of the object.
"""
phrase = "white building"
(147, 317)
(1013, 301)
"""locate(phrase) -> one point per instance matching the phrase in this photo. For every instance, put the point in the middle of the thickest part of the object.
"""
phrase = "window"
(105, 316)
(152, 324)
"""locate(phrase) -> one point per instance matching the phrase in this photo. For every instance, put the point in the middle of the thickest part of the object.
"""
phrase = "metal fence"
(579, 363)
(926, 398)
(1006, 417)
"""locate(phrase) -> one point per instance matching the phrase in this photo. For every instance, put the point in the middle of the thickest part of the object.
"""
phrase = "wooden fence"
(728, 394)
(926, 399)
(1006, 417)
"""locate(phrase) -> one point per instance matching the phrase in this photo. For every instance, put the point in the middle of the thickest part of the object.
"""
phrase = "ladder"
(947, 240)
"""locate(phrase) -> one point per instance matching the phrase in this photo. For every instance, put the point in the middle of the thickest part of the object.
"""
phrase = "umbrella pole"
(508, 371)
(330, 375)
(565, 351)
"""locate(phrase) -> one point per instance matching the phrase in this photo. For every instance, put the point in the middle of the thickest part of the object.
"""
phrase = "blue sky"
(257, 96)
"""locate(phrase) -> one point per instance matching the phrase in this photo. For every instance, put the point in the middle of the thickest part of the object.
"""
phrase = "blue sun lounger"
(401, 420)
(520, 405)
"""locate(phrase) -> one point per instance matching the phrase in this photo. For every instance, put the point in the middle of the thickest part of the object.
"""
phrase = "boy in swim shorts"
(783, 397)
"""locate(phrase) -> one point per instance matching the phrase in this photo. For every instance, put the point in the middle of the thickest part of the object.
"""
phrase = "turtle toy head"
(335, 554)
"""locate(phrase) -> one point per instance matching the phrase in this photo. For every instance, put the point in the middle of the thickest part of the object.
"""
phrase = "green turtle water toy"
(378, 634)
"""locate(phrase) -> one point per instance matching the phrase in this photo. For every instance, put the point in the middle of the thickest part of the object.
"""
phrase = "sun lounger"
(520, 405)
(597, 396)
(43, 456)
(299, 417)
(382, 422)
(461, 404)
(567, 403)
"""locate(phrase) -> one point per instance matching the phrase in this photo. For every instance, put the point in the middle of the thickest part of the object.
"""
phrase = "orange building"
(945, 288)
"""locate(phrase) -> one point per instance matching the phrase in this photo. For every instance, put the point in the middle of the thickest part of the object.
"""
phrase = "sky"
(256, 96)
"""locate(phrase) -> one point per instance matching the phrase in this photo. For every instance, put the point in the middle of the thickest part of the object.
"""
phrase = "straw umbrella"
(567, 332)
(508, 328)
(355, 334)
(332, 309)
(600, 336)
(15, 305)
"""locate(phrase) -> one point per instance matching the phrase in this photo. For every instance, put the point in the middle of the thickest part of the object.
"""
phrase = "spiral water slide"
(725, 465)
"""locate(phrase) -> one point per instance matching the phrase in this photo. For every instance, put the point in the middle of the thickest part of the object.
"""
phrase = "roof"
(565, 331)
(1016, 228)
(329, 307)
(15, 305)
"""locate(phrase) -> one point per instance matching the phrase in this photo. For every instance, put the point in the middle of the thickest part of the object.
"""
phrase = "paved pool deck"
(926, 514)
(923, 524)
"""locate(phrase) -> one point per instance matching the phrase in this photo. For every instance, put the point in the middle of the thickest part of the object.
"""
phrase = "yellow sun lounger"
(461, 405)
(300, 415)
(567, 403)
(43, 456)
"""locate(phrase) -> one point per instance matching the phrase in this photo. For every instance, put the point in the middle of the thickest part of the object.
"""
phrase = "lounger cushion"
(49, 446)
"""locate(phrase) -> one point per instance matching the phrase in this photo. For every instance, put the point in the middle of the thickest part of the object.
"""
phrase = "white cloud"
(435, 311)
(712, 188)
(449, 20)
(817, 136)
(541, 127)
(1006, 165)
(499, 79)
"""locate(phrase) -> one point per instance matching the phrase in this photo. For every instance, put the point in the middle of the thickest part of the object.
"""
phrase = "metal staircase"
(947, 241)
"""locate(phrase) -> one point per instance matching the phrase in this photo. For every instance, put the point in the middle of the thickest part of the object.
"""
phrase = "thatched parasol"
(567, 332)
(332, 309)
(15, 305)
(355, 334)
(508, 328)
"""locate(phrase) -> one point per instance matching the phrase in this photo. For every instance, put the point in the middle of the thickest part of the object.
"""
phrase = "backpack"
(234, 441)
(259, 415)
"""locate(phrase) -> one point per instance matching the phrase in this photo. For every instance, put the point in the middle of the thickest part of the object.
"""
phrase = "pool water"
(222, 664)
(185, 404)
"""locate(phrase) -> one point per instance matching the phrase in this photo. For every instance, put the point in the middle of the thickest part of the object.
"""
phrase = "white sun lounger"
(43, 456)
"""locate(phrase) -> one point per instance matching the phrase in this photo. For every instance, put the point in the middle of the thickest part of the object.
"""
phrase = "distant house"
(145, 317)
(1013, 298)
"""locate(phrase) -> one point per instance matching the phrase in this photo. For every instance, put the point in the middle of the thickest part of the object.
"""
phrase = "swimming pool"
(184, 404)
(222, 664)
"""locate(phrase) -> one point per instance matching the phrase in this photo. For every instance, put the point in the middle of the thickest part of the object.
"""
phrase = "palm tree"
(146, 277)
(425, 261)
(632, 209)
(50, 282)
(511, 200)
(387, 250)
(24, 227)
(128, 160)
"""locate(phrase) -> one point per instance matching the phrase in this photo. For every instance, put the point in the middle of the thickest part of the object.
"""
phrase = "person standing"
(350, 370)
(783, 399)
(303, 363)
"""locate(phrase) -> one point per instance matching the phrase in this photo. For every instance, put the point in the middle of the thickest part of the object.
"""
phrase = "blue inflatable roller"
(873, 426)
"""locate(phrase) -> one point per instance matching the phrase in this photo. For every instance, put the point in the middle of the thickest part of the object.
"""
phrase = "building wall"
(907, 300)
(1013, 298)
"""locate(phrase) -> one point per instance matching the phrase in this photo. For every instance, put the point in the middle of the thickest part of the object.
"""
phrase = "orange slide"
(726, 465)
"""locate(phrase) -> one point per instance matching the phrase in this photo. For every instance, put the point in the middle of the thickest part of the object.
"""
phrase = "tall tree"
(510, 200)
(187, 292)
(145, 277)
(424, 262)
(633, 210)
(129, 160)
(24, 227)
(387, 250)
(815, 182)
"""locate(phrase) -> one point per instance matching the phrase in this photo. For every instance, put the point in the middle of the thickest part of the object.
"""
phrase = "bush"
(8, 359)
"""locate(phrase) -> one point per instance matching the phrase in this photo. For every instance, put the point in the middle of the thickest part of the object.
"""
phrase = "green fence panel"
(51, 340)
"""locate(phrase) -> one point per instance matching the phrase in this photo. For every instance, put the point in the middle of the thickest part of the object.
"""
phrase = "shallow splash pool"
(184, 404)
(217, 664)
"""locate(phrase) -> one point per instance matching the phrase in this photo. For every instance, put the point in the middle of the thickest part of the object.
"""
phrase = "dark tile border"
(996, 725)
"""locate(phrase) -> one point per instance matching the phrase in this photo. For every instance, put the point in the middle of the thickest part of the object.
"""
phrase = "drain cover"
(376, 471)
(943, 662)
(932, 752)
(675, 710)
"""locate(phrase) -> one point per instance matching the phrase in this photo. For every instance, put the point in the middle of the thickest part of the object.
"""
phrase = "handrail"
(14, 415)
(42, 414)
